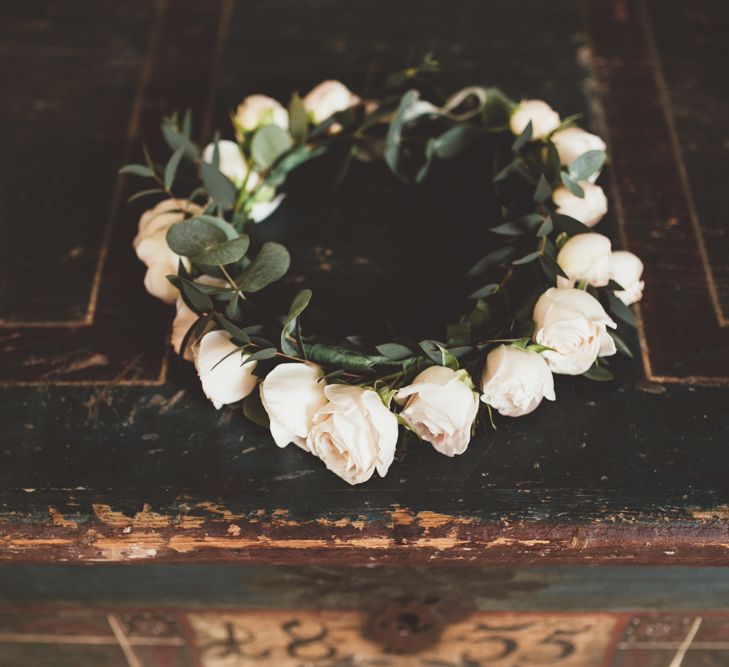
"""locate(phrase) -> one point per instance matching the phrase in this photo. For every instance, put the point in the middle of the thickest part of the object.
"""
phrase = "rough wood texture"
(130, 463)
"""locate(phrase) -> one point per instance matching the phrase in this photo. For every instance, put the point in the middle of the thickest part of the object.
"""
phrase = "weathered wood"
(133, 464)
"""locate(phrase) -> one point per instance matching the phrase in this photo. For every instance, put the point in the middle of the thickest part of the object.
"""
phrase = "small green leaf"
(194, 236)
(572, 186)
(144, 193)
(454, 141)
(265, 353)
(227, 252)
(447, 359)
(271, 263)
(219, 187)
(254, 411)
(524, 138)
(392, 152)
(566, 224)
(492, 259)
(176, 140)
(394, 351)
(545, 229)
(621, 345)
(598, 373)
(520, 226)
(171, 168)
(298, 120)
(195, 299)
(268, 144)
(543, 190)
(485, 291)
(459, 334)
(299, 304)
(527, 258)
(137, 170)
(620, 310)
(586, 165)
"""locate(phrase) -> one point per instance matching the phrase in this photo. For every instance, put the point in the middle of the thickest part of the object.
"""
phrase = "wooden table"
(207, 544)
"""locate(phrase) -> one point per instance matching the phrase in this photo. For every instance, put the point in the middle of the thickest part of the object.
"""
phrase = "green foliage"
(586, 165)
(269, 143)
(298, 121)
(228, 252)
(219, 187)
(524, 138)
(271, 263)
(598, 373)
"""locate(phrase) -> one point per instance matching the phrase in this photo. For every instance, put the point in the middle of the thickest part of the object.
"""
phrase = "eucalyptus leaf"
(299, 304)
(564, 223)
(621, 345)
(527, 258)
(227, 252)
(459, 334)
(268, 144)
(485, 291)
(254, 411)
(145, 193)
(545, 229)
(194, 236)
(298, 120)
(271, 263)
(196, 300)
(454, 141)
(394, 351)
(137, 170)
(176, 140)
(620, 310)
(598, 373)
(494, 258)
(572, 185)
(586, 165)
(543, 190)
(497, 109)
(265, 353)
(172, 165)
(524, 138)
(392, 152)
(219, 187)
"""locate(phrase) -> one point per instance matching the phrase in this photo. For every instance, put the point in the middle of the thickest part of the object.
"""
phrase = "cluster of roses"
(351, 428)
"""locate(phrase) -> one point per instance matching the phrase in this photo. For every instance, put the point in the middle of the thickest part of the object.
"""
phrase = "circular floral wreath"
(541, 307)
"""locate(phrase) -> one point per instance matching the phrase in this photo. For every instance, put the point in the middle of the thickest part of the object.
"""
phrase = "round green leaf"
(268, 143)
(224, 253)
(194, 236)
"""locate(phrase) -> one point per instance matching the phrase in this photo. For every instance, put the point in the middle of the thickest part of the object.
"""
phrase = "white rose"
(545, 120)
(354, 434)
(225, 375)
(627, 271)
(260, 210)
(586, 257)
(231, 162)
(515, 381)
(256, 109)
(589, 209)
(185, 317)
(328, 98)
(573, 142)
(440, 406)
(291, 395)
(151, 247)
(572, 323)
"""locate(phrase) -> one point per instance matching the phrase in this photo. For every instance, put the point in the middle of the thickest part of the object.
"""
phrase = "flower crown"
(344, 403)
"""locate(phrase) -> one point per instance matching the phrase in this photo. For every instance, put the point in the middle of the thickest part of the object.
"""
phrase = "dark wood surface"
(110, 451)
